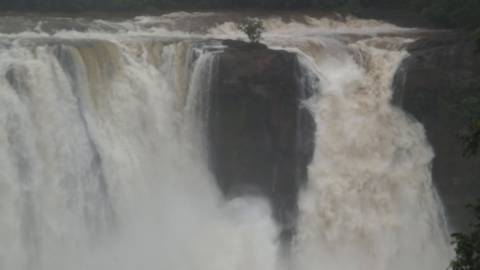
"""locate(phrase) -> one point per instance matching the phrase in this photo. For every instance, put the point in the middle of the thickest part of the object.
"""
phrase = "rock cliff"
(436, 85)
(260, 135)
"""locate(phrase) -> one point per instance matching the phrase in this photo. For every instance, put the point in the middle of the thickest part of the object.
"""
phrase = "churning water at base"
(103, 163)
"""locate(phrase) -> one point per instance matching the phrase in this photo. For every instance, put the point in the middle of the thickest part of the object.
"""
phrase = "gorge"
(160, 143)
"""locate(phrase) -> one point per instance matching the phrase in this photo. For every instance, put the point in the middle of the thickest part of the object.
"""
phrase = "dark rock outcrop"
(260, 136)
(434, 85)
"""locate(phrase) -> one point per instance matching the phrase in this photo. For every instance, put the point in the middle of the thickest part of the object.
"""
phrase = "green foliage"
(467, 245)
(449, 13)
(468, 109)
(456, 13)
(452, 13)
(87, 5)
(253, 28)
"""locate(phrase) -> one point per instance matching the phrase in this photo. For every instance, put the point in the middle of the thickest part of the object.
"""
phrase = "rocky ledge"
(436, 84)
(260, 136)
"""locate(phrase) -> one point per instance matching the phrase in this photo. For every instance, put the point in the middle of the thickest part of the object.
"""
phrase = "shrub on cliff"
(467, 245)
(253, 28)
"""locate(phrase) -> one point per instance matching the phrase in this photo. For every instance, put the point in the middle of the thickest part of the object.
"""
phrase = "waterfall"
(370, 202)
(103, 161)
(101, 166)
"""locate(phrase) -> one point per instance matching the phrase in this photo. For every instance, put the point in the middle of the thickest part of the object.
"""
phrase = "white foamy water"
(370, 202)
(103, 163)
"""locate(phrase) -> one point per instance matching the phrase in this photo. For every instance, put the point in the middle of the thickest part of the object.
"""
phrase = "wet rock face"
(434, 84)
(260, 136)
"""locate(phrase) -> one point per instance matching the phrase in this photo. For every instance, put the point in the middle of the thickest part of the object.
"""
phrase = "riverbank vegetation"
(451, 13)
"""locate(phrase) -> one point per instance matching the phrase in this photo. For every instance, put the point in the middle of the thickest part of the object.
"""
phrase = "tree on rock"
(253, 28)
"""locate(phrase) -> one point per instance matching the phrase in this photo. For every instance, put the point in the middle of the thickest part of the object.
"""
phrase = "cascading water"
(99, 170)
(102, 161)
(370, 203)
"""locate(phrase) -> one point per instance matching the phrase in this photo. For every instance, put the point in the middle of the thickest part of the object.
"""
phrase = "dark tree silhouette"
(453, 13)
(253, 28)
(467, 245)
